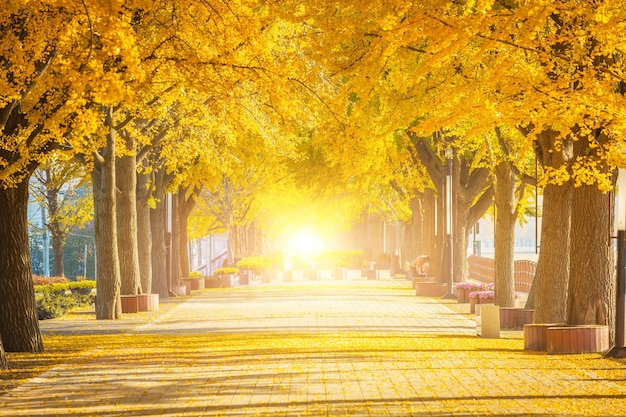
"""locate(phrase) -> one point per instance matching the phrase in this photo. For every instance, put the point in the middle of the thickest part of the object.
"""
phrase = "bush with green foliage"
(56, 299)
(51, 305)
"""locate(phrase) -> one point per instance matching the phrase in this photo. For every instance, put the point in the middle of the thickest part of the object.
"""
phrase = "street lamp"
(619, 350)
(449, 205)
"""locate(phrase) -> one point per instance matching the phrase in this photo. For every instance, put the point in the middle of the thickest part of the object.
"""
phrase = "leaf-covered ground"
(300, 369)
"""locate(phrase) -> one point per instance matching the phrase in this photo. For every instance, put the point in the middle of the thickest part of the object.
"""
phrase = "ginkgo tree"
(60, 188)
(551, 69)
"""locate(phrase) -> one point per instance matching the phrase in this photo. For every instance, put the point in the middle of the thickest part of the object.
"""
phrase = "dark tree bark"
(108, 301)
(3, 357)
(19, 328)
(472, 196)
(176, 271)
(506, 215)
(144, 234)
(126, 212)
(186, 204)
(549, 293)
(58, 237)
(591, 290)
(159, 244)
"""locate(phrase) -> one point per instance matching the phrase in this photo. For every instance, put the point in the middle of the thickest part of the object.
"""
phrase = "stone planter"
(475, 301)
(383, 274)
(194, 283)
(179, 289)
(515, 318)
(578, 339)
(129, 304)
(288, 276)
(431, 289)
(229, 281)
(536, 336)
(339, 273)
(244, 277)
(353, 274)
(212, 282)
(415, 280)
(488, 321)
(148, 302)
(462, 295)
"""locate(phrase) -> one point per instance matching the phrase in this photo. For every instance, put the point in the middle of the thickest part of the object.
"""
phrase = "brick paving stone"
(329, 372)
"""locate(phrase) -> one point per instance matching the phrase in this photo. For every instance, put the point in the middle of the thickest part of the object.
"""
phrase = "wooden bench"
(483, 269)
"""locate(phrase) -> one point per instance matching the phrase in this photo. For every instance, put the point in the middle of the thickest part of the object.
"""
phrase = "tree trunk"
(108, 301)
(57, 249)
(126, 211)
(58, 237)
(19, 328)
(144, 234)
(185, 206)
(591, 291)
(506, 215)
(159, 245)
(549, 292)
(176, 270)
(3, 357)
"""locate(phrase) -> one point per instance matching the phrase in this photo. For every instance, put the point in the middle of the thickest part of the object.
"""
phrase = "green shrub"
(52, 305)
(58, 288)
(56, 303)
(82, 287)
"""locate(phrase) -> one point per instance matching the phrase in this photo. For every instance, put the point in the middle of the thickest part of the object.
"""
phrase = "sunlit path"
(320, 349)
(335, 306)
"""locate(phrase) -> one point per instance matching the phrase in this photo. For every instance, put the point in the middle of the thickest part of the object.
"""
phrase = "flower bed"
(480, 297)
(462, 290)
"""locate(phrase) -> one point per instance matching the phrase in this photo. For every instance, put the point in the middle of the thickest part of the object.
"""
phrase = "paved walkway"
(363, 348)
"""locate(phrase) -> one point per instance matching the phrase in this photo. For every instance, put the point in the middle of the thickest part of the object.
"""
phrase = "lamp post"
(619, 350)
(449, 205)
(168, 240)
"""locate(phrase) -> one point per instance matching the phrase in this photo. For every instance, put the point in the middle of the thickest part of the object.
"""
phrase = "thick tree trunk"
(159, 245)
(439, 261)
(506, 215)
(126, 211)
(549, 293)
(185, 206)
(144, 234)
(591, 291)
(108, 301)
(176, 270)
(19, 328)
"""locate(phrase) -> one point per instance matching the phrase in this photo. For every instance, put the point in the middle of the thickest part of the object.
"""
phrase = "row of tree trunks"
(574, 282)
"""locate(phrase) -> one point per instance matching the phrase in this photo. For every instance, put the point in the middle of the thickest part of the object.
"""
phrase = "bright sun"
(306, 242)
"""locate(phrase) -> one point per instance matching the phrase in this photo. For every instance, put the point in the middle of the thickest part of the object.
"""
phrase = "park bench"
(482, 269)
